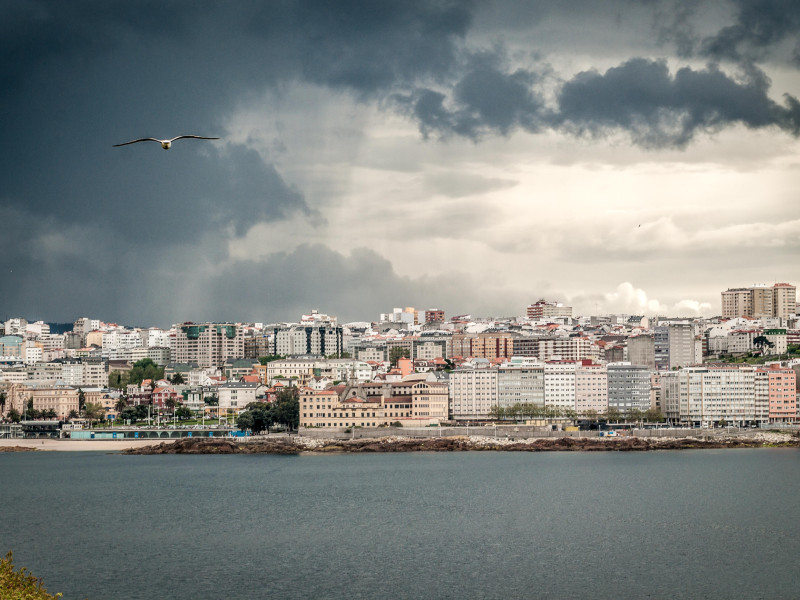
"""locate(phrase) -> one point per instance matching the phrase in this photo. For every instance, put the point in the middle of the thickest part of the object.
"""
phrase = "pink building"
(781, 389)
(591, 388)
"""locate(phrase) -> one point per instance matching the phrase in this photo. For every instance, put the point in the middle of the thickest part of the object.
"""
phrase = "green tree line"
(260, 416)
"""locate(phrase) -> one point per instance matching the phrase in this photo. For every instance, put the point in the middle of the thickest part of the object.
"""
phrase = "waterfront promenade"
(65, 445)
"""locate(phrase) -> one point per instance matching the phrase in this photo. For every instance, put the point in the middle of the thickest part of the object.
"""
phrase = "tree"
(117, 380)
(171, 403)
(613, 415)
(81, 399)
(634, 415)
(257, 417)
(94, 412)
(121, 404)
(762, 342)
(211, 400)
(177, 379)
(14, 416)
(183, 413)
(287, 408)
(497, 413)
(20, 584)
(144, 369)
(2, 402)
(397, 353)
(269, 358)
(591, 415)
(73, 414)
(653, 415)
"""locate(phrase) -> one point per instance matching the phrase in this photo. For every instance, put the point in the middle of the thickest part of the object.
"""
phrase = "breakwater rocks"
(17, 449)
(296, 445)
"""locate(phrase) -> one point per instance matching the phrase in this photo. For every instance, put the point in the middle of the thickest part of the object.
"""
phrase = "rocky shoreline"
(298, 445)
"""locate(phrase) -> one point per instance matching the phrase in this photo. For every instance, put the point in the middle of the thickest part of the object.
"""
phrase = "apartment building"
(642, 351)
(565, 348)
(779, 300)
(473, 393)
(702, 396)
(520, 381)
(301, 370)
(776, 387)
(207, 344)
(434, 315)
(235, 396)
(559, 384)
(492, 345)
(591, 388)
(628, 387)
(317, 339)
(542, 309)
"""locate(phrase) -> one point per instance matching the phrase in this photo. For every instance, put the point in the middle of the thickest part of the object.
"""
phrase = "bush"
(397, 424)
(20, 585)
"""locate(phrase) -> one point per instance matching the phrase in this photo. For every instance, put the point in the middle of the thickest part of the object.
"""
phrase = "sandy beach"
(78, 445)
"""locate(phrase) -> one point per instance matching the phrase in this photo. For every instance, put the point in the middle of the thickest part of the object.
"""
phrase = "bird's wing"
(197, 137)
(139, 140)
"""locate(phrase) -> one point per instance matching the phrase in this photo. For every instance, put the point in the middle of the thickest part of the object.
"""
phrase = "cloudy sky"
(621, 156)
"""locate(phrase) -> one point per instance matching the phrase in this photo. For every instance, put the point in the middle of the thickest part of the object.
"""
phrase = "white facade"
(32, 354)
(591, 389)
(702, 396)
(520, 382)
(236, 396)
(120, 339)
(559, 385)
(473, 393)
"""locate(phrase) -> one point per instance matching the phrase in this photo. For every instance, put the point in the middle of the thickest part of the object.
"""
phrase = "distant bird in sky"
(166, 144)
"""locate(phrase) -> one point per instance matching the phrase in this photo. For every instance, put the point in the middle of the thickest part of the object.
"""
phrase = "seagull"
(166, 144)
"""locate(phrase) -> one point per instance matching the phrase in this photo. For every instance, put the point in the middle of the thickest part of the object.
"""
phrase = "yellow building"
(61, 398)
(413, 402)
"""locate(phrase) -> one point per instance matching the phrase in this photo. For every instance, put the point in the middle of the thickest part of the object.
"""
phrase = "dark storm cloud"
(96, 222)
(486, 100)
(355, 287)
(366, 45)
(640, 97)
(657, 109)
(758, 27)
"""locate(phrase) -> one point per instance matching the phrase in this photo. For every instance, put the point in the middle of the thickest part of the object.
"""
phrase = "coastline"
(300, 445)
(66, 445)
(305, 445)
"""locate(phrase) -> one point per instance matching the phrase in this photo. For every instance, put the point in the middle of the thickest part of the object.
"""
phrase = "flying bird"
(166, 144)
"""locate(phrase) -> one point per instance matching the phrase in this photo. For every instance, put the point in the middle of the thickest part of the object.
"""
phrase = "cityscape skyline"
(471, 156)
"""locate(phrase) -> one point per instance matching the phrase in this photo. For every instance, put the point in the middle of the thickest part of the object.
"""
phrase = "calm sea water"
(690, 524)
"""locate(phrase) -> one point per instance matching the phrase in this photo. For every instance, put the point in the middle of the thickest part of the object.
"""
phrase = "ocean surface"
(688, 524)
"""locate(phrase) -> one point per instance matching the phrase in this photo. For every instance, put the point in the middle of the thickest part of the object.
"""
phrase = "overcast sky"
(619, 156)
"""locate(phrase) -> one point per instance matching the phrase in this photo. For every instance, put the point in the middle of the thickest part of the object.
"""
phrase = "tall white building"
(701, 396)
(473, 393)
(520, 381)
(559, 385)
(591, 388)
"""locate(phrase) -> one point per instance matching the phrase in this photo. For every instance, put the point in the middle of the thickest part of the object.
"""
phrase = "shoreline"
(66, 445)
(308, 446)
(312, 446)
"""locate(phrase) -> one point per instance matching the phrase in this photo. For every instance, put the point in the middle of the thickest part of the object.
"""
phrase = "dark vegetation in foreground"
(20, 584)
